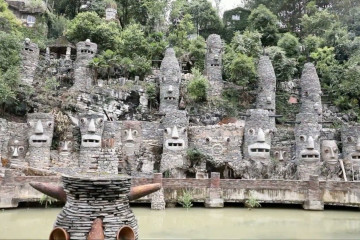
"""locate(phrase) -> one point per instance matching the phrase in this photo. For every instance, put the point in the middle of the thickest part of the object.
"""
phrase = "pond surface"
(202, 223)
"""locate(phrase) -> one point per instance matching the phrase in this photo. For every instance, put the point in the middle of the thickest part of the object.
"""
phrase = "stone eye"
(135, 132)
(168, 130)
(184, 130)
(284, 154)
(12, 149)
(207, 139)
(100, 121)
(251, 131)
(29, 124)
(335, 150)
(276, 153)
(126, 131)
(49, 124)
(302, 138)
(83, 120)
(326, 151)
(227, 139)
(21, 149)
(349, 139)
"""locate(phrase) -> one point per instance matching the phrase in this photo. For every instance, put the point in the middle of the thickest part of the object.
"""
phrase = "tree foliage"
(197, 87)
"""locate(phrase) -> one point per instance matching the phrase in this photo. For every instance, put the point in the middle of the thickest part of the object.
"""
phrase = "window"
(235, 17)
(30, 20)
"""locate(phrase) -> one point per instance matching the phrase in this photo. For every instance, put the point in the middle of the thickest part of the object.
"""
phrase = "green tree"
(248, 43)
(132, 41)
(239, 68)
(265, 22)
(317, 23)
(311, 43)
(196, 52)
(156, 17)
(197, 87)
(284, 67)
(8, 21)
(290, 44)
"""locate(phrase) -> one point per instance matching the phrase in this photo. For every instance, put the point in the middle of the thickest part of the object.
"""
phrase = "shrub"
(284, 67)
(290, 44)
(197, 87)
(239, 68)
(252, 202)
(185, 199)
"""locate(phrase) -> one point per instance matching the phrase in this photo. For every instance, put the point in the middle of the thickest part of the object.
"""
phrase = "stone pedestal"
(314, 201)
(157, 198)
(214, 199)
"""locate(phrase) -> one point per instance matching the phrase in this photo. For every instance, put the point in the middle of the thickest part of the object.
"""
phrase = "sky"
(228, 4)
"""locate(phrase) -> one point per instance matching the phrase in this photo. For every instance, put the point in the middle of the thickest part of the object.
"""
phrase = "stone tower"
(310, 91)
(29, 61)
(267, 85)
(213, 65)
(110, 11)
(170, 79)
(85, 52)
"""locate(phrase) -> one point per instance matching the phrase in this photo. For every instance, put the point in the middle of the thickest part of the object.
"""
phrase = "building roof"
(61, 42)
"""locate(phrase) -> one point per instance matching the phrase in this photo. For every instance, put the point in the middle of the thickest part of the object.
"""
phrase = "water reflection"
(201, 223)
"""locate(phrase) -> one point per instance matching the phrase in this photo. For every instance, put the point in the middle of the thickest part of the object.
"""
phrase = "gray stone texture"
(40, 133)
(266, 85)
(310, 91)
(29, 61)
(213, 65)
(350, 139)
(91, 197)
(170, 79)
(86, 51)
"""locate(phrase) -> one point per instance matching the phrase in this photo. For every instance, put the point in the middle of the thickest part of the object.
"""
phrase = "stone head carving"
(17, 149)
(350, 138)
(65, 147)
(281, 154)
(310, 154)
(214, 50)
(91, 128)
(40, 129)
(174, 138)
(86, 50)
(131, 137)
(260, 150)
(329, 152)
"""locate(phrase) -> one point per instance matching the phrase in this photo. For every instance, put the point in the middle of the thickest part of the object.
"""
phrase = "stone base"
(313, 205)
(214, 203)
(8, 203)
(158, 200)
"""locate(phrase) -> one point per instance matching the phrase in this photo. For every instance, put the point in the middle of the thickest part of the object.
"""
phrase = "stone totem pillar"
(170, 79)
(307, 139)
(310, 92)
(29, 61)
(40, 133)
(213, 65)
(85, 52)
(350, 138)
(91, 128)
(266, 86)
(175, 144)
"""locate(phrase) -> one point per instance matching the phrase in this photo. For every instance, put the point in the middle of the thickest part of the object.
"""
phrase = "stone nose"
(170, 89)
(91, 128)
(65, 148)
(39, 128)
(175, 133)
(281, 155)
(332, 154)
(16, 152)
(129, 137)
(261, 136)
(310, 143)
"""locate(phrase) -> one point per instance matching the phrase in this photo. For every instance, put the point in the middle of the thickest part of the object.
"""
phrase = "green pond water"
(202, 223)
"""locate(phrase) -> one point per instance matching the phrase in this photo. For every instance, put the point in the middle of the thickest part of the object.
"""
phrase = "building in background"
(26, 10)
(235, 20)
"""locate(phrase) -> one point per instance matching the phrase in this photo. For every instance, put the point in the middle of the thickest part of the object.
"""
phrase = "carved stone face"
(259, 150)
(281, 154)
(17, 149)
(131, 137)
(40, 129)
(65, 147)
(330, 152)
(175, 139)
(91, 128)
(310, 154)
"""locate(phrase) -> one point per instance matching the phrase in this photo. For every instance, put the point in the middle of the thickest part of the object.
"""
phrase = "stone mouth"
(91, 141)
(169, 98)
(310, 155)
(355, 156)
(217, 149)
(175, 144)
(259, 150)
(39, 140)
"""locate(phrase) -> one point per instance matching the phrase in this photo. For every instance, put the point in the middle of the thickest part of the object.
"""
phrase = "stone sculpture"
(213, 64)
(29, 61)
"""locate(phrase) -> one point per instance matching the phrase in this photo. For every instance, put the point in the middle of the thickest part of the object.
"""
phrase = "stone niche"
(221, 142)
(40, 133)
